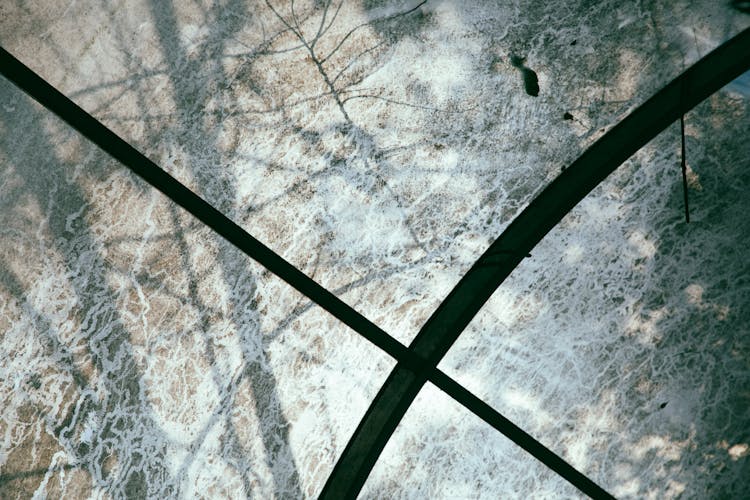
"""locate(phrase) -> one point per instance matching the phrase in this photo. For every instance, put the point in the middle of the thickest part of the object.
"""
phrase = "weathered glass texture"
(380, 146)
(142, 355)
(623, 344)
(440, 450)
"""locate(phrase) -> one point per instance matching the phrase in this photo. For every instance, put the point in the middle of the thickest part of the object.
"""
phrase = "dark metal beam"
(111, 143)
(409, 378)
(412, 365)
(704, 78)
(518, 435)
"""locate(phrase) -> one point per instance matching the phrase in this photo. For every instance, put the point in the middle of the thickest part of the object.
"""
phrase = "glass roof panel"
(441, 450)
(383, 148)
(623, 343)
(142, 355)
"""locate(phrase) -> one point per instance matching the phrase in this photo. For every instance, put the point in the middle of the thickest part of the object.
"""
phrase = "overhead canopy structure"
(376, 149)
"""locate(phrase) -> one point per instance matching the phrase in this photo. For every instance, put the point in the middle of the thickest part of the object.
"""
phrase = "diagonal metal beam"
(517, 435)
(126, 154)
(413, 365)
(107, 140)
(442, 329)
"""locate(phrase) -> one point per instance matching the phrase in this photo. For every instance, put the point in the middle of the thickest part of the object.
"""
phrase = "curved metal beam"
(704, 78)
(95, 131)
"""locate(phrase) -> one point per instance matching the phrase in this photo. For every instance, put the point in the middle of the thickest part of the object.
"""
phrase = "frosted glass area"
(441, 450)
(384, 148)
(141, 356)
(624, 342)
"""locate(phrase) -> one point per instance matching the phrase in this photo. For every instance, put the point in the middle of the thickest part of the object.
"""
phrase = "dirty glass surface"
(142, 356)
(440, 450)
(623, 344)
(380, 146)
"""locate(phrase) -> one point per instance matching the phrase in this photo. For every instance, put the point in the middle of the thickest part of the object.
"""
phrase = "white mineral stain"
(157, 362)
